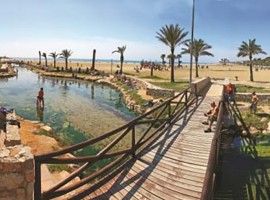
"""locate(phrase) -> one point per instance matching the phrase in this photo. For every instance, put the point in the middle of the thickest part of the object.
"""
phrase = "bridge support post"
(186, 98)
(133, 142)
(37, 185)
(169, 109)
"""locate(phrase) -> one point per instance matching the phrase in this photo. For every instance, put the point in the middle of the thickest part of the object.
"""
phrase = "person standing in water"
(40, 98)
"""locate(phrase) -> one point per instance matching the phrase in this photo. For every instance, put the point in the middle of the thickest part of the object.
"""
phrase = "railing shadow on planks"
(209, 181)
(135, 135)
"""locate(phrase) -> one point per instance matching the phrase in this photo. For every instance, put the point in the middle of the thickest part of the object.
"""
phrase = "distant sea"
(82, 60)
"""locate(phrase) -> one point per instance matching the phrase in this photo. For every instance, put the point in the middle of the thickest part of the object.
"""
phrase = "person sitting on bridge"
(211, 116)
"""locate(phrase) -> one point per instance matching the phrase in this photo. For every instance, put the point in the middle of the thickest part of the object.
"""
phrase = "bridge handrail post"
(169, 110)
(195, 90)
(37, 184)
(186, 97)
(133, 142)
(209, 180)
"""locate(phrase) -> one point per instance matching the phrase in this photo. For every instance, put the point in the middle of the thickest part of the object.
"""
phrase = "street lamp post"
(191, 43)
(111, 65)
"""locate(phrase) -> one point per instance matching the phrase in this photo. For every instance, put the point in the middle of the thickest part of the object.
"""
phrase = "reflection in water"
(92, 91)
(40, 111)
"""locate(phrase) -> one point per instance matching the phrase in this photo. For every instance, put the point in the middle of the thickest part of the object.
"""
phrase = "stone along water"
(75, 109)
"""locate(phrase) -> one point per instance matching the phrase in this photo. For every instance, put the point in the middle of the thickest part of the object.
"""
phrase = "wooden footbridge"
(162, 154)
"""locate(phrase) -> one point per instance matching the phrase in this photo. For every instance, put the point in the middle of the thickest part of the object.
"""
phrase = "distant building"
(4, 68)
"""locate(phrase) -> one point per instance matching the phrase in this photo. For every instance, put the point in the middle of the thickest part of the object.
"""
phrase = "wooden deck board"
(166, 168)
(169, 163)
(166, 186)
(158, 172)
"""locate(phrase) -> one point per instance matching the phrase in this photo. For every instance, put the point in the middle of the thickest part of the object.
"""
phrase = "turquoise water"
(75, 109)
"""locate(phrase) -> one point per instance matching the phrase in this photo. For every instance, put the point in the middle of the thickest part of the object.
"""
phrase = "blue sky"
(28, 26)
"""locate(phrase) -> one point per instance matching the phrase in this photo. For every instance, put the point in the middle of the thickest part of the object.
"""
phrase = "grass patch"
(263, 151)
(250, 89)
(176, 86)
(132, 93)
(128, 73)
(152, 77)
(255, 121)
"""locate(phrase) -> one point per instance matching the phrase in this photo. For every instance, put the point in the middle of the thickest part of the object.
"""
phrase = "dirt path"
(39, 143)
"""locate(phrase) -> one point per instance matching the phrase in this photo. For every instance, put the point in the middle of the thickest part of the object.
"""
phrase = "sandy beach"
(214, 71)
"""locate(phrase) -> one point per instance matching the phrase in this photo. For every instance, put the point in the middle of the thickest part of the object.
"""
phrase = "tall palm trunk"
(66, 62)
(250, 68)
(121, 63)
(39, 54)
(54, 63)
(93, 60)
(45, 61)
(172, 65)
(196, 64)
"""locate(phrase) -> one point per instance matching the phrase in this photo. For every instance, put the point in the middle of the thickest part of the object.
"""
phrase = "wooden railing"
(122, 144)
(209, 181)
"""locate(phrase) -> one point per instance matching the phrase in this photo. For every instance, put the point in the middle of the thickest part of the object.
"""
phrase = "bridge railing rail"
(209, 181)
(135, 135)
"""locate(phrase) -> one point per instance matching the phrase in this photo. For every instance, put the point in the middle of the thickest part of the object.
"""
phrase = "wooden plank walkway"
(173, 167)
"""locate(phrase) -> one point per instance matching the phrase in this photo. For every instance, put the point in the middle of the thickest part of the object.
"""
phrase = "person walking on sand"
(254, 102)
(40, 97)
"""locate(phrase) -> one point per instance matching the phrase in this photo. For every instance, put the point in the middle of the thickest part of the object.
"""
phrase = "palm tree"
(249, 49)
(39, 58)
(199, 49)
(93, 60)
(172, 36)
(54, 55)
(170, 57)
(179, 56)
(121, 50)
(163, 56)
(66, 54)
(45, 56)
(224, 61)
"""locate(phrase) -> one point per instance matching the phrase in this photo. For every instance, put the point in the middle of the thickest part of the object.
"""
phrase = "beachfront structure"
(4, 68)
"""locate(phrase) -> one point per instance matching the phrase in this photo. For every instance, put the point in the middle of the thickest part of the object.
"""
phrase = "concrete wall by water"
(16, 164)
